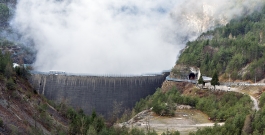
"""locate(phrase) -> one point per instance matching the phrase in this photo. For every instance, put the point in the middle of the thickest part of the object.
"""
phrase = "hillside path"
(255, 101)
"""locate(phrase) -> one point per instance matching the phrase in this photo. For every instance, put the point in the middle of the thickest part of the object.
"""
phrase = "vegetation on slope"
(251, 124)
(19, 52)
(219, 106)
(256, 121)
(23, 111)
(4, 14)
(237, 49)
(230, 107)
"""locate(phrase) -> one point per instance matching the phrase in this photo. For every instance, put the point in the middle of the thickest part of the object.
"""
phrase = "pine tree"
(200, 81)
(215, 80)
(4, 13)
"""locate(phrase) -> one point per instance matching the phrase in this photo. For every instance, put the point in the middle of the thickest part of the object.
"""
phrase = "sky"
(118, 36)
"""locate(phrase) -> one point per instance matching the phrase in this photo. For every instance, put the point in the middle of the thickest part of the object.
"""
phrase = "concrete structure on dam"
(96, 92)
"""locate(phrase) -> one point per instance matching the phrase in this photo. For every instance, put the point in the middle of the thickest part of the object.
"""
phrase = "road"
(255, 101)
(225, 88)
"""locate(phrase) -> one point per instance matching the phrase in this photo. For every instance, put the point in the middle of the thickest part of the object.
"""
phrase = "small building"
(206, 79)
(57, 72)
(15, 65)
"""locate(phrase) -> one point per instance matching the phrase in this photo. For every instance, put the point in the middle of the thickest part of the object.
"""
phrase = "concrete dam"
(96, 92)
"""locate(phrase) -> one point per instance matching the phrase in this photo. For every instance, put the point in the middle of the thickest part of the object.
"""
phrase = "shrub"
(1, 123)
(14, 129)
(42, 108)
(10, 84)
(2, 78)
(4, 13)
(22, 72)
(262, 100)
(15, 94)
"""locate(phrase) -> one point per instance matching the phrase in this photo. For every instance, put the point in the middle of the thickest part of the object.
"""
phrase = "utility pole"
(229, 83)
(256, 60)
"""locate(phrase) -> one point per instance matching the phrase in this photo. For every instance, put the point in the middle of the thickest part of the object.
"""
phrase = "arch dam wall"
(96, 92)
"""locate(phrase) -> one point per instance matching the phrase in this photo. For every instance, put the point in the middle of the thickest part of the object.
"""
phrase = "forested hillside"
(21, 52)
(252, 123)
(237, 49)
(4, 14)
(219, 106)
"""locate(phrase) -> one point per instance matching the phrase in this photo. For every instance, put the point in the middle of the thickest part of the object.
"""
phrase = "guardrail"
(241, 84)
(98, 75)
(180, 80)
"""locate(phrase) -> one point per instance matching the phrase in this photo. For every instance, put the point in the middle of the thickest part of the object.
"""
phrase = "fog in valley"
(118, 36)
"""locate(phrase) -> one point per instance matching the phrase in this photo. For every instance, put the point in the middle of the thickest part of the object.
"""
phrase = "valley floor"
(185, 121)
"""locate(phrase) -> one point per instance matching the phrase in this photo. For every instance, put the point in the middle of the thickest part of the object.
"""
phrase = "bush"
(1, 123)
(10, 85)
(171, 133)
(262, 100)
(2, 78)
(46, 120)
(22, 72)
(14, 129)
(15, 94)
(42, 107)
(4, 13)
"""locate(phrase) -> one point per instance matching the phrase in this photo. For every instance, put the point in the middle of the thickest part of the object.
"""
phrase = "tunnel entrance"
(192, 76)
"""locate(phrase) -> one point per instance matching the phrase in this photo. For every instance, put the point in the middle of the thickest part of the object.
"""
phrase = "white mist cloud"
(118, 36)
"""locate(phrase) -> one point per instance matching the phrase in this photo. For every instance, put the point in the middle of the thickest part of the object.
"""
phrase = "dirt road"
(225, 88)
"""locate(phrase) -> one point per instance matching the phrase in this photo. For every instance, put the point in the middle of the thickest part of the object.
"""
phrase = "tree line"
(4, 14)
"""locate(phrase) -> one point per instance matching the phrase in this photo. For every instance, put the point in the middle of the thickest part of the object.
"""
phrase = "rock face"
(95, 92)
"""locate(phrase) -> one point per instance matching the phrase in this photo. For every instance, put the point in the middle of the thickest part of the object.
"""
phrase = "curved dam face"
(96, 92)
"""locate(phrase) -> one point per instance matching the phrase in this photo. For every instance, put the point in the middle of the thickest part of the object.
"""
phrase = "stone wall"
(95, 92)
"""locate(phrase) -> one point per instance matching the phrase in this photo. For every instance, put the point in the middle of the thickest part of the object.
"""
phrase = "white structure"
(205, 78)
(15, 65)
(57, 72)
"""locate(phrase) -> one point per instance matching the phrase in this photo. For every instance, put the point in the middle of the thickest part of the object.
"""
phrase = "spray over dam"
(96, 92)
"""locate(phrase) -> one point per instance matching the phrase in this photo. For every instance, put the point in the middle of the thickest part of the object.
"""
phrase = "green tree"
(1, 123)
(262, 100)
(91, 131)
(22, 71)
(8, 70)
(200, 81)
(10, 84)
(215, 80)
(4, 13)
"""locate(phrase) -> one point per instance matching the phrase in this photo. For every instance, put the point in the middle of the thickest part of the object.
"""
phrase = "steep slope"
(237, 49)
(22, 111)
